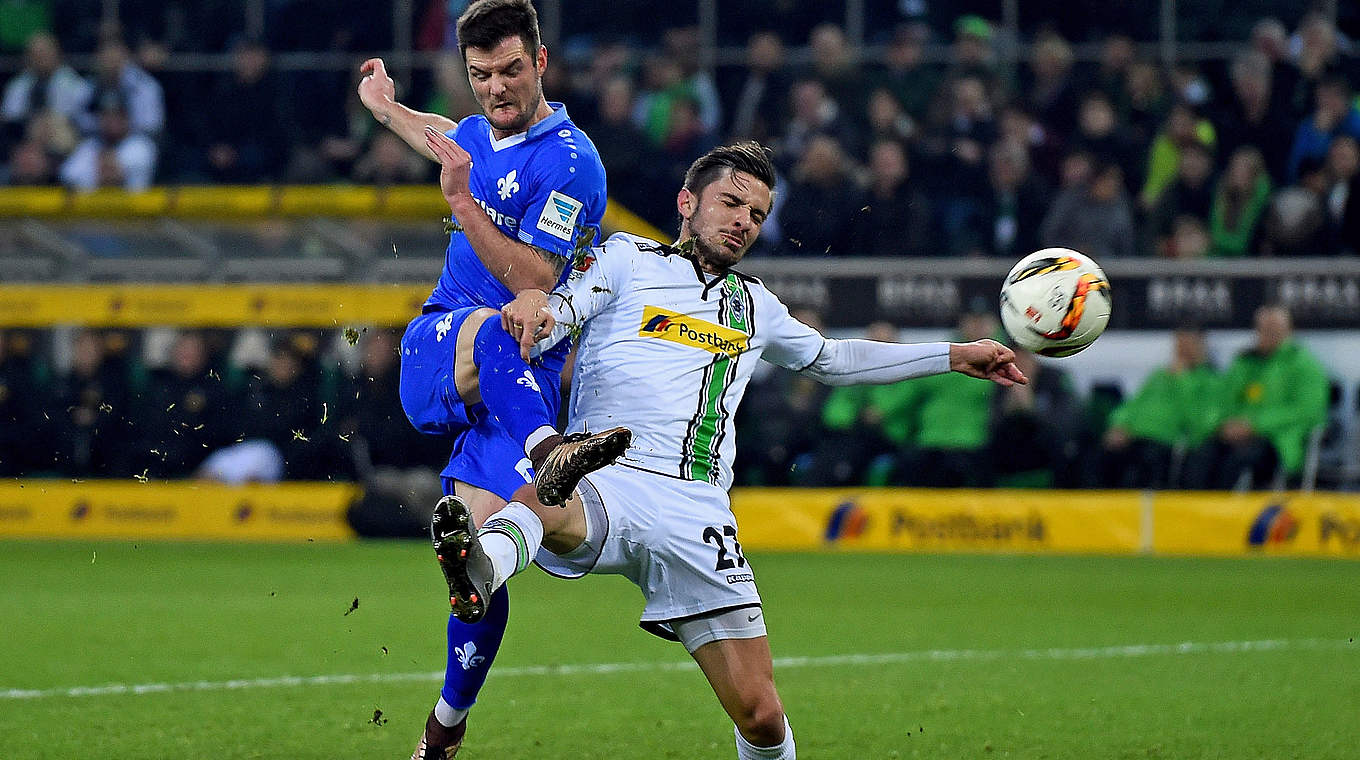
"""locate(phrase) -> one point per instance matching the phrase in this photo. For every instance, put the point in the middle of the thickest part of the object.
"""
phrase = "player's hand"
(377, 91)
(988, 360)
(528, 319)
(455, 165)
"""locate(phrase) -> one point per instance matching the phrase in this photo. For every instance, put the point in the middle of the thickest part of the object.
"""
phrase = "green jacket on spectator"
(847, 404)
(951, 412)
(1173, 407)
(1283, 396)
(1234, 240)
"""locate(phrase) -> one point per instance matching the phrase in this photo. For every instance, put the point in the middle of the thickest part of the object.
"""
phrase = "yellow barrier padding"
(210, 305)
(176, 510)
(1119, 522)
(939, 520)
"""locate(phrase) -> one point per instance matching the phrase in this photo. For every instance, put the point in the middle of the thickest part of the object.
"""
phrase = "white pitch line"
(924, 655)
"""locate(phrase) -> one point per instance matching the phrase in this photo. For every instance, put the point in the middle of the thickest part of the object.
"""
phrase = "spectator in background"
(183, 415)
(663, 85)
(905, 73)
(388, 161)
(1017, 125)
(243, 142)
(1051, 90)
(951, 421)
(21, 404)
(114, 157)
(813, 113)
(1034, 431)
(760, 101)
(887, 120)
(957, 149)
(1253, 116)
(1117, 56)
(29, 165)
(92, 401)
(371, 425)
(626, 153)
(1334, 115)
(452, 95)
(281, 406)
(972, 54)
(1239, 201)
(46, 88)
(833, 64)
(1191, 194)
(1273, 395)
(779, 423)
(1189, 239)
(1008, 222)
(1176, 406)
(1183, 126)
(896, 219)
(1295, 221)
(1270, 38)
(119, 79)
(683, 45)
(1099, 133)
(1095, 218)
(1343, 199)
(1317, 51)
(1147, 102)
(822, 202)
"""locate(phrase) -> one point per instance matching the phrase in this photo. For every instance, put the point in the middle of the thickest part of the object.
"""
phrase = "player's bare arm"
(378, 93)
(988, 360)
(519, 265)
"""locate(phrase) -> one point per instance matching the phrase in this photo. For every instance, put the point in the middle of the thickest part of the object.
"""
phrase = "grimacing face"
(508, 82)
(725, 218)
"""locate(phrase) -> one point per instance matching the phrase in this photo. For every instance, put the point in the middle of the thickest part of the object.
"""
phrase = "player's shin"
(472, 647)
(781, 751)
(509, 389)
(510, 539)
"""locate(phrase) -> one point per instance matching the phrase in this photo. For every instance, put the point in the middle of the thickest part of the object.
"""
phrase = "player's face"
(725, 218)
(507, 81)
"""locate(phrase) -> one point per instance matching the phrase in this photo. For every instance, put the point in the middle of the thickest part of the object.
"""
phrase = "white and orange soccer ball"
(1055, 302)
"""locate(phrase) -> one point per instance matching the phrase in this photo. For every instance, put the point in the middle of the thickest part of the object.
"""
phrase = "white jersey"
(667, 350)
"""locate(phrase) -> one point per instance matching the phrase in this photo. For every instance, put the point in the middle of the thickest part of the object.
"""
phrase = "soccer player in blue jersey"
(527, 189)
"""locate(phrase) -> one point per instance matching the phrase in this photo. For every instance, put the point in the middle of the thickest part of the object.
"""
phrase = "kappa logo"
(506, 186)
(559, 215)
(468, 657)
(527, 380)
(443, 327)
(692, 331)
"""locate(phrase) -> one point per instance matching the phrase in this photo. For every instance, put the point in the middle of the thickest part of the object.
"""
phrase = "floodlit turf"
(963, 657)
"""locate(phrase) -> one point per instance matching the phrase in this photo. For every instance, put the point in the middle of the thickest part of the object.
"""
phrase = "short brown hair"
(486, 22)
(748, 156)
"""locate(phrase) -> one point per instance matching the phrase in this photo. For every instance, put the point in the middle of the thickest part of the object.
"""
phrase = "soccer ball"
(1055, 302)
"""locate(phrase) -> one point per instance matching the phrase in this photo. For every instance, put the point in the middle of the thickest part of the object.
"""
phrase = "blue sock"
(472, 647)
(509, 389)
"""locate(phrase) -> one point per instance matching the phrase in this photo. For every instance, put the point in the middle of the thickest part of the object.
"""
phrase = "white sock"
(510, 538)
(448, 715)
(538, 436)
(782, 751)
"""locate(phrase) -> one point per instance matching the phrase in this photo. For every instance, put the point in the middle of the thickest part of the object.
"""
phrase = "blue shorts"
(483, 455)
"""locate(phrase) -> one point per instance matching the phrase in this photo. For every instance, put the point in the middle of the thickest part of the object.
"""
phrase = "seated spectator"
(822, 202)
(370, 425)
(1183, 126)
(906, 74)
(1273, 395)
(1254, 117)
(1191, 194)
(759, 101)
(389, 161)
(1100, 134)
(46, 85)
(281, 406)
(1051, 88)
(1343, 193)
(886, 119)
(21, 405)
(30, 165)
(628, 157)
(812, 113)
(1094, 218)
(1189, 239)
(1239, 201)
(243, 138)
(92, 401)
(119, 79)
(951, 420)
(1034, 428)
(1007, 223)
(114, 157)
(1334, 115)
(1147, 104)
(896, 219)
(183, 415)
(1295, 222)
(1176, 406)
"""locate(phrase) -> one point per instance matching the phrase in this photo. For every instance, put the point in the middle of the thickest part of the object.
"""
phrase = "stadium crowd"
(889, 154)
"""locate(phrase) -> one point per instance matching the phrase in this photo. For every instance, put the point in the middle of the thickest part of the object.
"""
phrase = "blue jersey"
(544, 187)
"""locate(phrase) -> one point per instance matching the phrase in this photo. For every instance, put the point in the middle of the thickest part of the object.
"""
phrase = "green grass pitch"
(880, 656)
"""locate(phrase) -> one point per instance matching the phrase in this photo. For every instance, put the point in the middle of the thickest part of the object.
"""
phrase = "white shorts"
(676, 539)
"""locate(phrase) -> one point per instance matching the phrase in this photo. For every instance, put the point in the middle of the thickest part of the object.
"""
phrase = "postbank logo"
(691, 331)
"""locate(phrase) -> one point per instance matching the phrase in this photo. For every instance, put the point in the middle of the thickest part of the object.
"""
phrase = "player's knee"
(760, 718)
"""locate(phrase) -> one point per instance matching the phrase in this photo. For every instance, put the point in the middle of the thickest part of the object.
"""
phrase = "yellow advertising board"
(1264, 523)
(941, 520)
(178, 510)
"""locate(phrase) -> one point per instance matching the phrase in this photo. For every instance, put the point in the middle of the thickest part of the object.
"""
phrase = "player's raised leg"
(742, 676)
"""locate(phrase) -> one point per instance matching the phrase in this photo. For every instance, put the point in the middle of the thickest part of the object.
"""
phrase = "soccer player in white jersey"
(668, 338)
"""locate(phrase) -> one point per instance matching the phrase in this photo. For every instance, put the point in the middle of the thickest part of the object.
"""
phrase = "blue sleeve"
(566, 200)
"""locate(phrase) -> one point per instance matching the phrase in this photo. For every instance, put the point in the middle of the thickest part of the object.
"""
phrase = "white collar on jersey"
(551, 122)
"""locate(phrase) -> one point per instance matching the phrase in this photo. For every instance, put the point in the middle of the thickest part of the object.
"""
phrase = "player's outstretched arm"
(378, 93)
(988, 360)
(519, 265)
